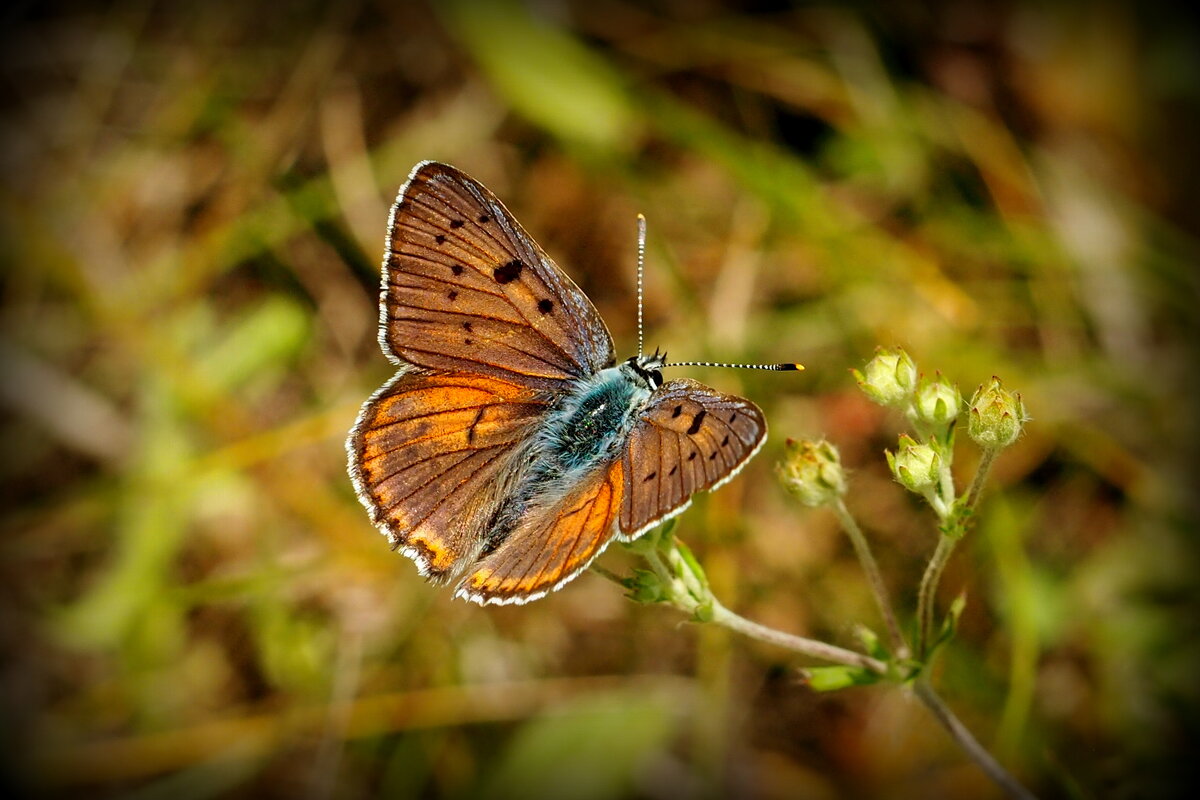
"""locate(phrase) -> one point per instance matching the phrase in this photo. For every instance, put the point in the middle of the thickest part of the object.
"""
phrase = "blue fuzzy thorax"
(584, 430)
(590, 425)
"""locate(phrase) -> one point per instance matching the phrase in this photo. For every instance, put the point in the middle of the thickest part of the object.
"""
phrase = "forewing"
(689, 437)
(465, 288)
(551, 545)
(431, 457)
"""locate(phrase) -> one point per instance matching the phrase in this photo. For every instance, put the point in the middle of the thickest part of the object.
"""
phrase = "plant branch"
(926, 595)
(874, 577)
(798, 644)
(967, 741)
(956, 526)
(981, 473)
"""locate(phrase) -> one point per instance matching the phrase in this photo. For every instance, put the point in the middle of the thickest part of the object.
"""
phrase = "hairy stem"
(968, 742)
(958, 522)
(874, 577)
(798, 644)
(928, 592)
(981, 473)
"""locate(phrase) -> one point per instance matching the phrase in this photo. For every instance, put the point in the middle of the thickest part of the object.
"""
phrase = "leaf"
(546, 74)
(830, 679)
(592, 750)
(949, 623)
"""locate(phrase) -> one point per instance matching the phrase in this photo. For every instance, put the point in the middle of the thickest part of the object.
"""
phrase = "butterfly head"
(648, 368)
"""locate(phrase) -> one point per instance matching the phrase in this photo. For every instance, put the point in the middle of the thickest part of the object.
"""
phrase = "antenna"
(787, 367)
(641, 223)
(641, 269)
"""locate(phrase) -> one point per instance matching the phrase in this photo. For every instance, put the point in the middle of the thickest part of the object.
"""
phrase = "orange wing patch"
(551, 546)
(428, 456)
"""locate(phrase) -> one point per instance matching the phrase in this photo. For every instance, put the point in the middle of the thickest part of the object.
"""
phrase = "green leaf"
(592, 750)
(949, 623)
(830, 679)
(871, 643)
(546, 74)
(645, 587)
(691, 563)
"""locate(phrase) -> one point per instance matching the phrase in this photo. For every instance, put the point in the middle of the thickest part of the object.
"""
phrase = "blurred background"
(194, 201)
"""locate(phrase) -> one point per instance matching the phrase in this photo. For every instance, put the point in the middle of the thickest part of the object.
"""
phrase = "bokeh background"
(194, 199)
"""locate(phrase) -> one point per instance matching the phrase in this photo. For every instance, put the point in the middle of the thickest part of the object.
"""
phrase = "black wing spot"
(467, 341)
(456, 269)
(650, 477)
(678, 410)
(467, 328)
(485, 218)
(725, 441)
(440, 239)
(507, 273)
(733, 416)
(697, 421)
(674, 469)
(456, 223)
(713, 455)
(452, 294)
(545, 306)
(692, 456)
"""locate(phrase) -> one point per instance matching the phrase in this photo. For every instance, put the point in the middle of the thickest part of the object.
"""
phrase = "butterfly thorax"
(589, 425)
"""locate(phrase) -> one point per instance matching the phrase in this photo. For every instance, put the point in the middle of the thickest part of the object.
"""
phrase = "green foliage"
(589, 750)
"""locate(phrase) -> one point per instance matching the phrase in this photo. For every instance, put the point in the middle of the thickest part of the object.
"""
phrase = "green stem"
(874, 577)
(957, 522)
(981, 473)
(968, 742)
(928, 591)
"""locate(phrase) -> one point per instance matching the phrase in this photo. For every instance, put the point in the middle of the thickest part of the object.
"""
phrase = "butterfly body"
(594, 421)
(511, 448)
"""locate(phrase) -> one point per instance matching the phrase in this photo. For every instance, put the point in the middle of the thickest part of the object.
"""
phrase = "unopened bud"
(917, 466)
(889, 378)
(813, 472)
(996, 416)
(936, 401)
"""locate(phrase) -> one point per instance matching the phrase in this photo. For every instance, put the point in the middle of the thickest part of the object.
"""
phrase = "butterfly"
(511, 447)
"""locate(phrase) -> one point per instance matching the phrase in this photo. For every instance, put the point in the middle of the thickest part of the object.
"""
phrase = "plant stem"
(981, 473)
(799, 644)
(874, 577)
(968, 742)
(690, 594)
(928, 591)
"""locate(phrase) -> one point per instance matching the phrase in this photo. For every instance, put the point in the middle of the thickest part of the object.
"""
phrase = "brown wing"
(689, 437)
(431, 456)
(551, 545)
(466, 289)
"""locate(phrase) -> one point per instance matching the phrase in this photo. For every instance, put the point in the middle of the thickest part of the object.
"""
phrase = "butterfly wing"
(552, 543)
(689, 437)
(432, 457)
(466, 289)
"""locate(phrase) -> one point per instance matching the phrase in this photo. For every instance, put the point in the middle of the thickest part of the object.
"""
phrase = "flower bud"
(936, 401)
(996, 416)
(813, 472)
(890, 377)
(917, 466)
